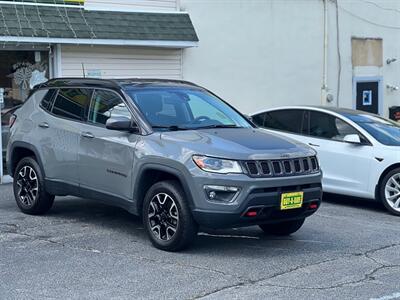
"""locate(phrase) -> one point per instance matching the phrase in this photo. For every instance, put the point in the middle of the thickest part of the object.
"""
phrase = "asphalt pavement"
(83, 249)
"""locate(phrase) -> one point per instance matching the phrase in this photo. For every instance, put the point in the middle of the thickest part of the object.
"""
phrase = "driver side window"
(106, 104)
(326, 126)
(201, 108)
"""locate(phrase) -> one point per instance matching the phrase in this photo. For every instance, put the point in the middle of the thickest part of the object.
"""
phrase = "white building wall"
(261, 54)
(365, 19)
(133, 5)
(120, 62)
(257, 54)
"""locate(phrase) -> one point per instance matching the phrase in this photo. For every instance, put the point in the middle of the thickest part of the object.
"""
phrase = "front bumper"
(262, 195)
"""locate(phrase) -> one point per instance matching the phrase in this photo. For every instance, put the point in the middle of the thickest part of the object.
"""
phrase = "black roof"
(113, 83)
(342, 111)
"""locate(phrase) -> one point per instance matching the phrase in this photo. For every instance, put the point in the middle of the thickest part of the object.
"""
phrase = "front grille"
(281, 167)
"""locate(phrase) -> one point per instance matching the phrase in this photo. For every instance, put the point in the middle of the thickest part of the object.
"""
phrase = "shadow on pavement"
(354, 202)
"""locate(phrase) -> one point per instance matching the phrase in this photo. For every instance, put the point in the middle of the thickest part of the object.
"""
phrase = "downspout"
(324, 88)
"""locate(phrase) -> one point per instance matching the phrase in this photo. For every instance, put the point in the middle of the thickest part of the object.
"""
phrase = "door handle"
(87, 135)
(44, 125)
(313, 145)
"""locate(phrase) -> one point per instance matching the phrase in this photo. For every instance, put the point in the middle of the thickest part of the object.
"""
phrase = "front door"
(368, 96)
(106, 156)
(345, 166)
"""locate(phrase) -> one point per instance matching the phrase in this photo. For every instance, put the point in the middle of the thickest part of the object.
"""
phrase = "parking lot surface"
(86, 250)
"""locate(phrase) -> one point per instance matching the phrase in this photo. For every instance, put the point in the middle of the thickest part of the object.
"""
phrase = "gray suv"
(168, 151)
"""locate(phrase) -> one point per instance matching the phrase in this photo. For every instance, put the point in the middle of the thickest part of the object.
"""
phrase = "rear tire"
(282, 228)
(29, 188)
(389, 191)
(167, 218)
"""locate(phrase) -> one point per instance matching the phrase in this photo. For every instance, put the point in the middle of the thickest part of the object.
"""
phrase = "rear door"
(106, 156)
(59, 133)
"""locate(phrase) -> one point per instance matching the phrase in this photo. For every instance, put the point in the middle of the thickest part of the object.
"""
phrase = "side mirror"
(122, 124)
(352, 138)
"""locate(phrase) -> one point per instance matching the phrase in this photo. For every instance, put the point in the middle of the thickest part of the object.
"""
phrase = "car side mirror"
(352, 138)
(122, 124)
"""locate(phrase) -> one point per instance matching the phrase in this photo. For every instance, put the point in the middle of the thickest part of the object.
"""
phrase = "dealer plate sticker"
(291, 200)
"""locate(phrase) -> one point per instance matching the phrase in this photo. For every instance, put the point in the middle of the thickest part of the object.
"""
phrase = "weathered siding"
(121, 62)
(146, 5)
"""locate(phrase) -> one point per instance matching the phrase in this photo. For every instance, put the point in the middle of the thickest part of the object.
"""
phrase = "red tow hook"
(313, 205)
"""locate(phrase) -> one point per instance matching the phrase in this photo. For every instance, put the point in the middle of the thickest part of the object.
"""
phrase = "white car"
(359, 152)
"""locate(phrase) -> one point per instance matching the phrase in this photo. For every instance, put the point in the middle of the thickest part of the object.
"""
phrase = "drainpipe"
(1, 147)
(324, 88)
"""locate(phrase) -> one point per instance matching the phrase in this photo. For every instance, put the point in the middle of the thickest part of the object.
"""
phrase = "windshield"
(383, 130)
(175, 108)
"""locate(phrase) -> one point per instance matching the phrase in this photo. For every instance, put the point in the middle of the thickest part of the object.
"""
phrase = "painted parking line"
(388, 297)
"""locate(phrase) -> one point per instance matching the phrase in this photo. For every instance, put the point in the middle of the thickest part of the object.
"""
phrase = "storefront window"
(20, 71)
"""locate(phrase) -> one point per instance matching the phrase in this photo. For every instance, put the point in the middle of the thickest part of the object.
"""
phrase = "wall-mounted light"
(391, 87)
(390, 60)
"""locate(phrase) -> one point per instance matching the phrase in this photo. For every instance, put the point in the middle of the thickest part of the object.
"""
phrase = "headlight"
(217, 165)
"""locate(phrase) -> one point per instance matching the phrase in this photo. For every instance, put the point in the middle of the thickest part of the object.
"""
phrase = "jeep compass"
(168, 151)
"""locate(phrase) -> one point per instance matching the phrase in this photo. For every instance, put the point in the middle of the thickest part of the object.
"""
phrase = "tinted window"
(72, 103)
(106, 104)
(290, 120)
(323, 125)
(48, 99)
(259, 119)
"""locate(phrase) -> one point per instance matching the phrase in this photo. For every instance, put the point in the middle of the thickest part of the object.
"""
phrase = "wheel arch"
(18, 151)
(384, 173)
(150, 174)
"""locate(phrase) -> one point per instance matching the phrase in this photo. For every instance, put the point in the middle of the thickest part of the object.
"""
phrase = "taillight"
(12, 120)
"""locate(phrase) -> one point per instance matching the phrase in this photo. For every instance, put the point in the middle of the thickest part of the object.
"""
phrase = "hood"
(238, 143)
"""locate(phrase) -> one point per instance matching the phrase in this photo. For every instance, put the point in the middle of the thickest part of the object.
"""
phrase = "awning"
(74, 25)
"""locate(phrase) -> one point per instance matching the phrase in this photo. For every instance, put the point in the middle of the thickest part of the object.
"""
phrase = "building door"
(20, 71)
(368, 96)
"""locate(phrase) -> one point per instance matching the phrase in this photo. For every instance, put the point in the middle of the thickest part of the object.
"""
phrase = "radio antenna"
(83, 70)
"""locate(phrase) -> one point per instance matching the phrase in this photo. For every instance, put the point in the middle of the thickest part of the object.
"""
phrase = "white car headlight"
(217, 165)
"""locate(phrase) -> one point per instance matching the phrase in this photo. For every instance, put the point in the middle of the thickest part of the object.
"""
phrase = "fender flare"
(164, 168)
(25, 145)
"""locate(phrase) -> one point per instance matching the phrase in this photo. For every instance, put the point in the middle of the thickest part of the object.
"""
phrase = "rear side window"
(72, 103)
(48, 99)
(259, 119)
(290, 120)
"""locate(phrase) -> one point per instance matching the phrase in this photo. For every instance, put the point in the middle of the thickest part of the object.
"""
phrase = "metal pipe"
(324, 87)
(1, 145)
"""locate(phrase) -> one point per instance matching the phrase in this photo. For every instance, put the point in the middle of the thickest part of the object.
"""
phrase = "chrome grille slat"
(282, 167)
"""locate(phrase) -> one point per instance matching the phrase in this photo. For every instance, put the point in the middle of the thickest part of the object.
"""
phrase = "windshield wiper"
(218, 126)
(171, 128)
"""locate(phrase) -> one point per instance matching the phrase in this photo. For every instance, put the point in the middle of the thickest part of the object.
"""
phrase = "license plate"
(291, 200)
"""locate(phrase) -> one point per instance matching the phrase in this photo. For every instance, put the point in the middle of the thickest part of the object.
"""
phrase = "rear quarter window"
(47, 100)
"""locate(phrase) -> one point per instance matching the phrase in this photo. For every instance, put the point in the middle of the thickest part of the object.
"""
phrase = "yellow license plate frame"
(292, 200)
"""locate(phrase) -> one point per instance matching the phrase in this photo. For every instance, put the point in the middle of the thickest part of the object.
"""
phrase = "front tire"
(29, 189)
(167, 217)
(389, 191)
(282, 228)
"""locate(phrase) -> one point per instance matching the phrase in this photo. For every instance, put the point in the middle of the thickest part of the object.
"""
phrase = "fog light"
(221, 193)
